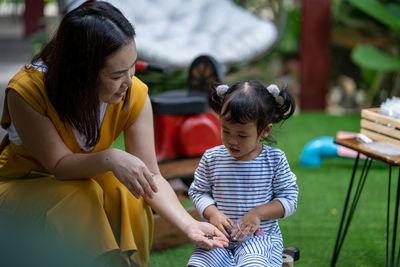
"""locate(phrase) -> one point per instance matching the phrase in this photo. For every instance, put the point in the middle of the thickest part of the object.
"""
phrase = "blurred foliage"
(370, 30)
(38, 41)
(160, 82)
(289, 44)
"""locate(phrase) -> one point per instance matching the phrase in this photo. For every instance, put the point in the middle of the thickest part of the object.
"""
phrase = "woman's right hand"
(205, 235)
(133, 173)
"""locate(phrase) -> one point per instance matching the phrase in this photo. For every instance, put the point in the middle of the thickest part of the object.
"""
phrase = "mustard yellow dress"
(99, 214)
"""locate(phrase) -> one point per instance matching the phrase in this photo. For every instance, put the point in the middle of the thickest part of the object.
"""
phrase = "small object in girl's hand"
(259, 231)
(210, 236)
(233, 243)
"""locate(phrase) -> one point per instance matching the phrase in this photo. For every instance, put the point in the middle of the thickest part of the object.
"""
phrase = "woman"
(62, 113)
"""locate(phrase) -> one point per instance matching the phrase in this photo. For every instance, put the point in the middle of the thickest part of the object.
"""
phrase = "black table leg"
(388, 216)
(348, 215)
(396, 216)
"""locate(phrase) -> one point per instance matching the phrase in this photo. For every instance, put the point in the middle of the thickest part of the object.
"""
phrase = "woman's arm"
(139, 140)
(40, 137)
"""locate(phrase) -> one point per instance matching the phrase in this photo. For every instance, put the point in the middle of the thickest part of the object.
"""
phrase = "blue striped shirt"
(236, 187)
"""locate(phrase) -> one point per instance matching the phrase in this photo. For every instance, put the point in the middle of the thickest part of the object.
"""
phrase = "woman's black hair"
(250, 101)
(74, 57)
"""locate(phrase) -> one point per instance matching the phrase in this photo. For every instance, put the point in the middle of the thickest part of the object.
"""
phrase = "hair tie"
(222, 89)
(273, 89)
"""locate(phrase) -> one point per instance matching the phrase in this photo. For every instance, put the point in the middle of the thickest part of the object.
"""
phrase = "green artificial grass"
(313, 228)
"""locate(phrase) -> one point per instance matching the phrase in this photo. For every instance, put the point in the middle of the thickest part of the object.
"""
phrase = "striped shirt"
(236, 187)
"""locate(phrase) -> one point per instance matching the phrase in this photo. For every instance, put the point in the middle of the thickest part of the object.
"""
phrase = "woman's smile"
(121, 94)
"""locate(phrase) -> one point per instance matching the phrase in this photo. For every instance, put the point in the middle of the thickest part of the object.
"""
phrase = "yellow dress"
(99, 214)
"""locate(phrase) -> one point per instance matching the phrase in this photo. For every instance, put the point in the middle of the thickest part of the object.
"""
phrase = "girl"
(245, 180)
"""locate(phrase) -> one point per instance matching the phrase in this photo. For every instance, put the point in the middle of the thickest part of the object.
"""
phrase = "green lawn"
(314, 226)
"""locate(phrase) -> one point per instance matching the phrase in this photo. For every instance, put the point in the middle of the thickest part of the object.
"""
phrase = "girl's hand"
(133, 173)
(222, 222)
(205, 235)
(246, 227)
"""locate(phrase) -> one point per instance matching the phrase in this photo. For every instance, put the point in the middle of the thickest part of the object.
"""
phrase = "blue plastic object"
(317, 149)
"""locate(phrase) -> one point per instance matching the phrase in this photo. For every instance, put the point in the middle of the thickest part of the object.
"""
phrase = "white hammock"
(174, 32)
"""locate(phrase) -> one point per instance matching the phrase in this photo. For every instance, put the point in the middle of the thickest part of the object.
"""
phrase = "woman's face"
(116, 76)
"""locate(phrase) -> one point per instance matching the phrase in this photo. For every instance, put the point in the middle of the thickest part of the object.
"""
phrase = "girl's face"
(242, 140)
(116, 76)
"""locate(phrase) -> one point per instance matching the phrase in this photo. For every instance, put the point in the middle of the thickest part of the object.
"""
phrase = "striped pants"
(258, 251)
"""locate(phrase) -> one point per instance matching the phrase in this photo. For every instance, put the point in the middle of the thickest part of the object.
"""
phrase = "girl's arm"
(283, 204)
(270, 211)
(201, 196)
(200, 189)
(285, 188)
(139, 141)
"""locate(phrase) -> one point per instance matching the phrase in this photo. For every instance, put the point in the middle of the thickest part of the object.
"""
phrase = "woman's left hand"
(206, 235)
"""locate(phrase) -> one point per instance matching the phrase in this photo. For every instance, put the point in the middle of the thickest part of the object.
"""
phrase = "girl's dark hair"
(74, 57)
(250, 101)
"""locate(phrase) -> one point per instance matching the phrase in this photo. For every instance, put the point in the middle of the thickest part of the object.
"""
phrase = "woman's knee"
(89, 189)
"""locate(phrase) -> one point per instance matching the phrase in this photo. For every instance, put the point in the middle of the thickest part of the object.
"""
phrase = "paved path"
(15, 50)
